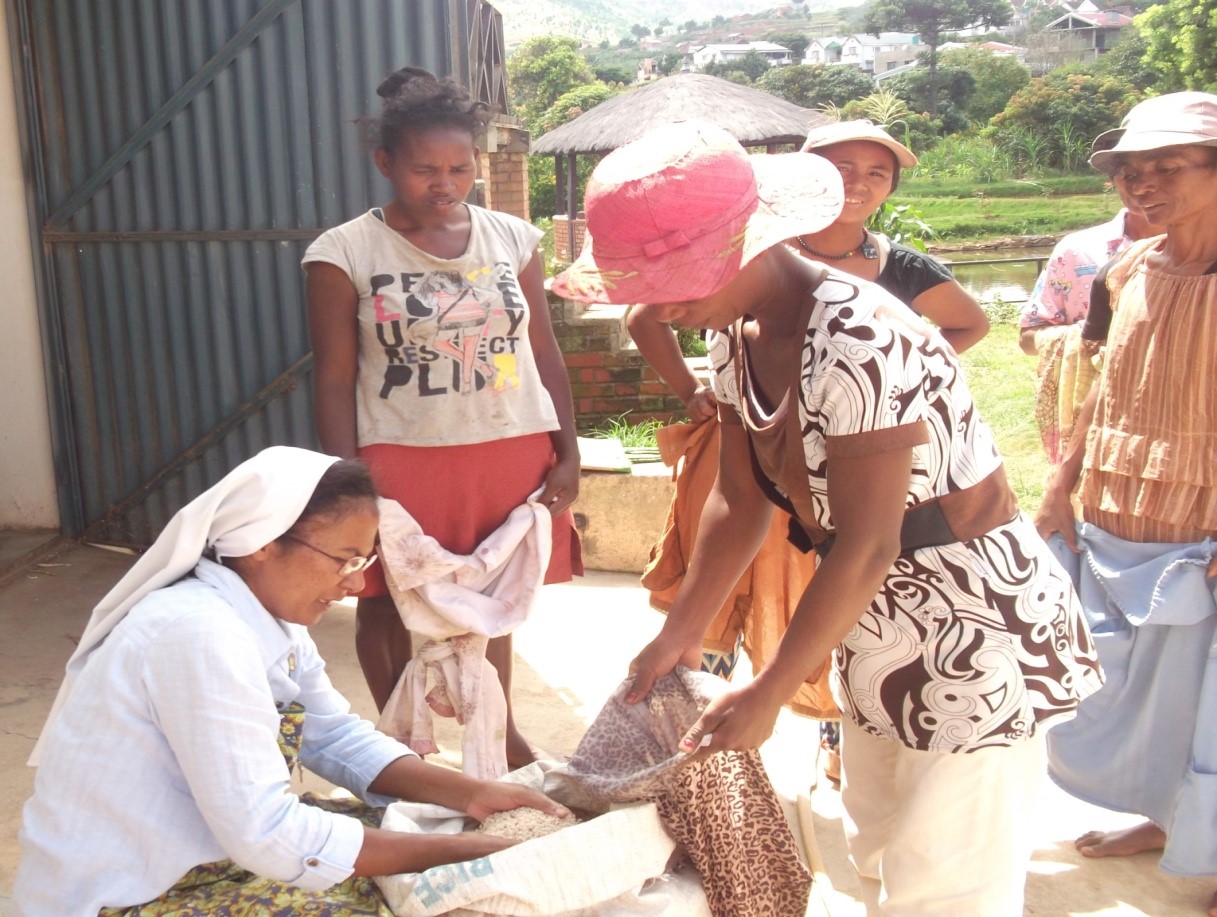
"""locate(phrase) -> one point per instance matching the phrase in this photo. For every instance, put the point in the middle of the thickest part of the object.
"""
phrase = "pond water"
(1003, 274)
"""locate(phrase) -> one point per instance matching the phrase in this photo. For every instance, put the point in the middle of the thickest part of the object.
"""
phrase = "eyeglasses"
(350, 565)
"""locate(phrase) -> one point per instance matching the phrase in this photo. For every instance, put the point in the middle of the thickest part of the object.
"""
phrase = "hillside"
(594, 21)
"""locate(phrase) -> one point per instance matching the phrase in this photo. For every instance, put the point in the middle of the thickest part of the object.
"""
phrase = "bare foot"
(1213, 906)
(1123, 843)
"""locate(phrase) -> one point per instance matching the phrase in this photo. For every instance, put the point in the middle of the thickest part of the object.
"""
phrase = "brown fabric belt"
(958, 516)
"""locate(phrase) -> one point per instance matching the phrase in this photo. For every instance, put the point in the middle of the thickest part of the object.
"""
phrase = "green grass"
(1002, 380)
(984, 217)
(637, 438)
(1032, 187)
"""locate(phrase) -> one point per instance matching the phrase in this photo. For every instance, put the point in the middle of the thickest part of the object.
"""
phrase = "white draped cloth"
(456, 603)
(249, 508)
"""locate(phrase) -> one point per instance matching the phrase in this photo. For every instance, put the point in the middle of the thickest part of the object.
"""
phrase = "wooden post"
(572, 200)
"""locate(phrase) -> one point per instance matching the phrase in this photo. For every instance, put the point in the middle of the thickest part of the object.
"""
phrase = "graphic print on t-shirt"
(445, 332)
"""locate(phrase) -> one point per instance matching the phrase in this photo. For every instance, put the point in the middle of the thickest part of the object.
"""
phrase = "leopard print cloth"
(721, 809)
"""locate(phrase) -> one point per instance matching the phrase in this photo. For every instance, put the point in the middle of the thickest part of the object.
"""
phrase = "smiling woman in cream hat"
(870, 161)
(955, 630)
(1143, 467)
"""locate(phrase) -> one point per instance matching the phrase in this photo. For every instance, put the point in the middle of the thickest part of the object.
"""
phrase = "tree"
(1127, 61)
(752, 65)
(542, 177)
(669, 63)
(572, 104)
(541, 70)
(1181, 43)
(614, 73)
(930, 19)
(1063, 108)
(639, 31)
(995, 79)
(793, 40)
(736, 76)
(816, 85)
(690, 25)
(955, 88)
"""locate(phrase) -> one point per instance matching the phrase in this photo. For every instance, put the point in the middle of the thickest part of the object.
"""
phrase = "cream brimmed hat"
(676, 214)
(1176, 119)
(846, 131)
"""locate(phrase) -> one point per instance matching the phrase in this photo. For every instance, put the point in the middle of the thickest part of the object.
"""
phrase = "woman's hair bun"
(393, 84)
(413, 99)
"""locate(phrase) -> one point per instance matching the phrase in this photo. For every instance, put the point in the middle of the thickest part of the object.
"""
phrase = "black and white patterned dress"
(968, 645)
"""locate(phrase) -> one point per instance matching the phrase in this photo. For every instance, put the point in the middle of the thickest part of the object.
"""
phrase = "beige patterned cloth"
(1063, 379)
(1148, 474)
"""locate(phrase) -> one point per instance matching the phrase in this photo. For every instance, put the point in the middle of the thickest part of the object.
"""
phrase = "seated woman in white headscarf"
(164, 769)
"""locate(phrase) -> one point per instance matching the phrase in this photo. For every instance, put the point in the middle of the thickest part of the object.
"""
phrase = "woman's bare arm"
(563, 480)
(958, 316)
(866, 497)
(333, 329)
(733, 525)
(659, 346)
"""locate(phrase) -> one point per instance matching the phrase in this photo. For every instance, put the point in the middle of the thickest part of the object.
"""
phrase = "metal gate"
(183, 153)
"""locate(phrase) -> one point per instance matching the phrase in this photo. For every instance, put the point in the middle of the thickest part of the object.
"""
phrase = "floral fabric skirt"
(225, 888)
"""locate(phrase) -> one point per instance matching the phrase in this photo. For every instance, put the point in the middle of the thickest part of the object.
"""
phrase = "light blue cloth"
(1147, 741)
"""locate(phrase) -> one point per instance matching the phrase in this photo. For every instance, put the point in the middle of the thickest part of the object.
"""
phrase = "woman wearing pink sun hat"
(870, 161)
(958, 636)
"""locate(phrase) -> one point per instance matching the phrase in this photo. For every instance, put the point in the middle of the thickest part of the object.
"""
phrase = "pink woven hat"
(845, 131)
(676, 214)
(1176, 119)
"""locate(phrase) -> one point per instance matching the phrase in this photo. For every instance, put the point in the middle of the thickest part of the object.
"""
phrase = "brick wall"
(607, 381)
(507, 182)
(503, 166)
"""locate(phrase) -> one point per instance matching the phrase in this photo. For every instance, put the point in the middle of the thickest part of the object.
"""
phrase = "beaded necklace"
(864, 246)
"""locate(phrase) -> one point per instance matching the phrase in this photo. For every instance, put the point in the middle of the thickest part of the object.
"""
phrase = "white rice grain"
(524, 824)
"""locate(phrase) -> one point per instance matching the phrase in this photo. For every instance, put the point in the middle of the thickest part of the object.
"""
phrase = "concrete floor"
(571, 654)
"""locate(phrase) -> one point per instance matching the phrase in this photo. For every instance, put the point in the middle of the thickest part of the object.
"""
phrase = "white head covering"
(249, 508)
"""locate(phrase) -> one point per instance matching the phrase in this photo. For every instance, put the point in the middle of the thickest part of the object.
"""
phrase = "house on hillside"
(648, 71)
(1088, 31)
(996, 48)
(869, 53)
(702, 56)
(826, 50)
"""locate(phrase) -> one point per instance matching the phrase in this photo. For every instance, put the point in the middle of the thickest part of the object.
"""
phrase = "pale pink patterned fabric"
(1061, 295)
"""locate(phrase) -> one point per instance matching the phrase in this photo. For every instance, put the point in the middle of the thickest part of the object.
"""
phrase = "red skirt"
(461, 494)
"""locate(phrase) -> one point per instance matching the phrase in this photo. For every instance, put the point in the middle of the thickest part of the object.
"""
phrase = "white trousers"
(939, 835)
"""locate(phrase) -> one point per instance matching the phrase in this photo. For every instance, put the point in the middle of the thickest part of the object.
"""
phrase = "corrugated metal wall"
(184, 153)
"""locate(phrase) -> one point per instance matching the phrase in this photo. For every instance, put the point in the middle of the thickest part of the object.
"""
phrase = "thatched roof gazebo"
(753, 117)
